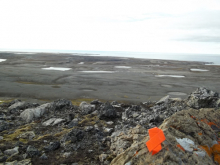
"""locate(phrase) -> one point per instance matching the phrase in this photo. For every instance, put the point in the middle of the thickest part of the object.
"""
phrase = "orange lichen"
(207, 149)
(136, 153)
(216, 149)
(209, 123)
(217, 158)
(178, 145)
(193, 117)
(200, 133)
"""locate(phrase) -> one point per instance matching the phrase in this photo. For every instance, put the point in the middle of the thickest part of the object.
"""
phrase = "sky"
(169, 26)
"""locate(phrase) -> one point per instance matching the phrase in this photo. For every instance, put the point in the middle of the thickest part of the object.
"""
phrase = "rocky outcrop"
(203, 98)
(190, 139)
(104, 133)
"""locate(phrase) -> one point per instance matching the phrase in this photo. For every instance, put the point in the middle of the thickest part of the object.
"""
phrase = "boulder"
(73, 123)
(4, 126)
(32, 151)
(17, 105)
(12, 151)
(203, 98)
(27, 135)
(61, 104)
(107, 111)
(52, 146)
(190, 139)
(53, 121)
(29, 114)
(86, 108)
(21, 105)
(165, 100)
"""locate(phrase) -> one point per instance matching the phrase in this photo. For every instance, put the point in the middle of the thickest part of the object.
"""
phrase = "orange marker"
(156, 138)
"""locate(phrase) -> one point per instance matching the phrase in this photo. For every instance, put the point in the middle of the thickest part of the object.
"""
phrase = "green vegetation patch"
(14, 136)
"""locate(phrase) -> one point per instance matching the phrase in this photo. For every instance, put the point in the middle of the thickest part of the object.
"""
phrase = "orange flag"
(156, 138)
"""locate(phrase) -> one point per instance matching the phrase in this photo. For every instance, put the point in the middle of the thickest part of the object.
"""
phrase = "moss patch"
(6, 101)
(90, 120)
(78, 101)
(65, 131)
(13, 137)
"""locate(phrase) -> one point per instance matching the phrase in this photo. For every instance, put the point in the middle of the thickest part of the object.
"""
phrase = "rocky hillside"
(58, 132)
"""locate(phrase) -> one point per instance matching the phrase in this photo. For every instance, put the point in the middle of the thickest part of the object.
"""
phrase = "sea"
(210, 59)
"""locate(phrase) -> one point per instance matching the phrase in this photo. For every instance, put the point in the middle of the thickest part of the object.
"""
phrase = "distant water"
(211, 58)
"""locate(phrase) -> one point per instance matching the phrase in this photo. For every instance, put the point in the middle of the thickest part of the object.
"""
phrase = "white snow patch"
(176, 76)
(1, 60)
(100, 71)
(99, 63)
(123, 67)
(199, 70)
(24, 53)
(81, 63)
(167, 86)
(57, 68)
(177, 93)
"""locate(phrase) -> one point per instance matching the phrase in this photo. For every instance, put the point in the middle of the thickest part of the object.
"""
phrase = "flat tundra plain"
(49, 76)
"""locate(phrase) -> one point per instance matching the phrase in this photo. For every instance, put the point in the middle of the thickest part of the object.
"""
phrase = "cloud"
(201, 39)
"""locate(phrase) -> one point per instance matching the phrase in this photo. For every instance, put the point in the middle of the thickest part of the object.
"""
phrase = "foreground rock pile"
(111, 133)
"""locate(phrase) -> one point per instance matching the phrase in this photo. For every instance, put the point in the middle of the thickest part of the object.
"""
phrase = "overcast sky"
(173, 26)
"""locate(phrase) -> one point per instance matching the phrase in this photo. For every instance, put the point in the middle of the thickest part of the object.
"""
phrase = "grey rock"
(86, 108)
(3, 158)
(61, 104)
(29, 114)
(52, 121)
(43, 157)
(11, 152)
(203, 98)
(96, 102)
(70, 117)
(163, 100)
(109, 122)
(4, 126)
(32, 151)
(17, 105)
(52, 146)
(74, 136)
(48, 122)
(27, 135)
(102, 157)
(107, 111)
(96, 112)
(73, 123)
(88, 128)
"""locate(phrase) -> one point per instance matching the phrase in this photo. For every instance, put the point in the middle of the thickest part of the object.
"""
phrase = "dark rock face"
(107, 111)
